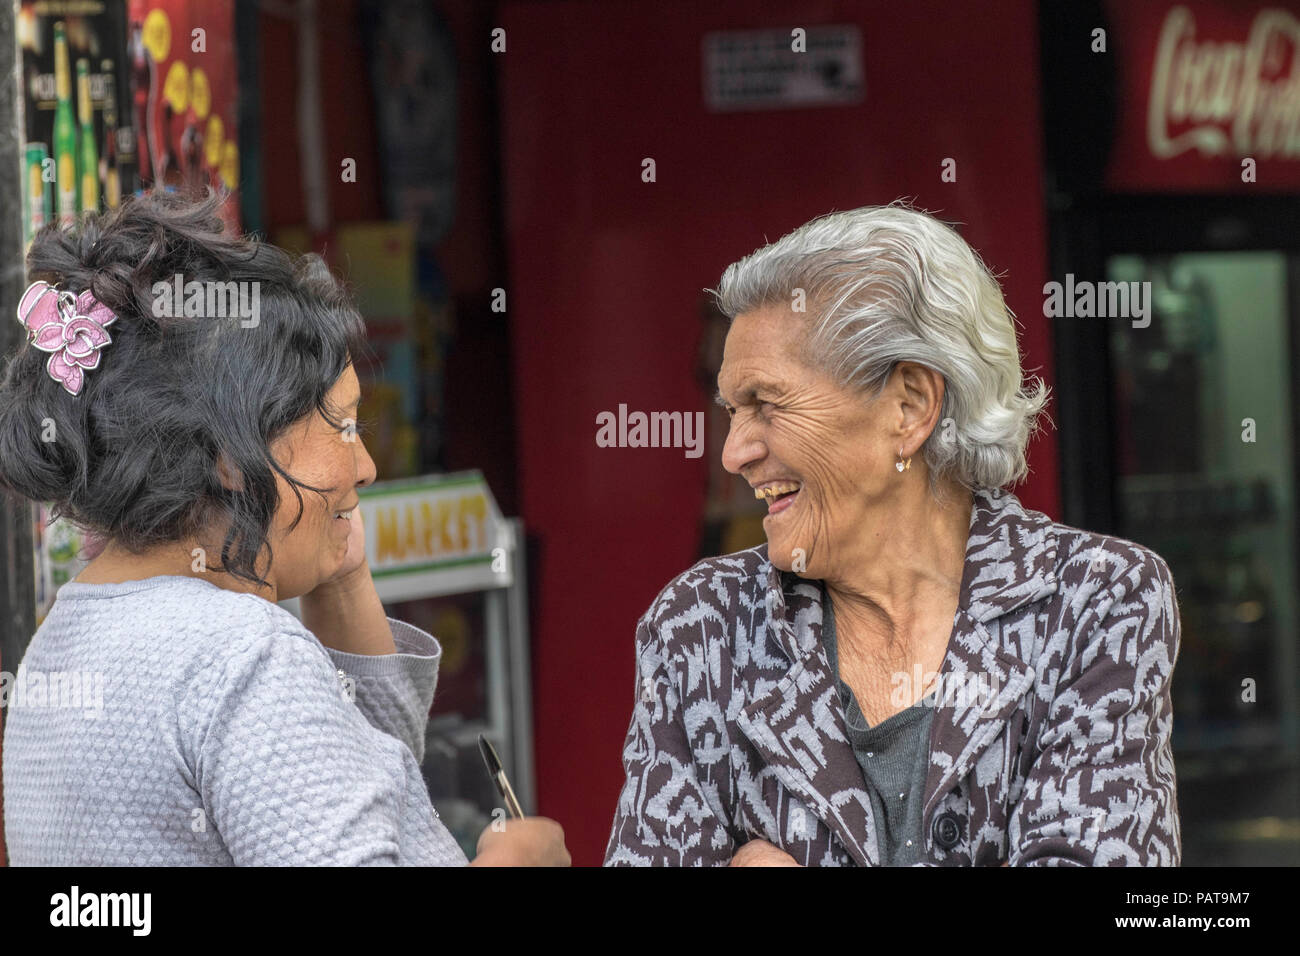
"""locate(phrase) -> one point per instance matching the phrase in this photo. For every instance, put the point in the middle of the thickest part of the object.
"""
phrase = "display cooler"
(1177, 416)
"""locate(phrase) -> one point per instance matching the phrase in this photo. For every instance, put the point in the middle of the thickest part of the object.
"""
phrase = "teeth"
(770, 492)
(343, 514)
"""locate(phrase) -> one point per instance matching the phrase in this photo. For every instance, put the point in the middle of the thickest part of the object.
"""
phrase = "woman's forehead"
(347, 389)
(762, 350)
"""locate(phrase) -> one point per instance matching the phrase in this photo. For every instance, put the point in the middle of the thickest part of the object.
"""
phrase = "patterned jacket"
(738, 729)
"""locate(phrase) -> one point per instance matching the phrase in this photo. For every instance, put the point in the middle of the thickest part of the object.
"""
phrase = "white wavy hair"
(887, 284)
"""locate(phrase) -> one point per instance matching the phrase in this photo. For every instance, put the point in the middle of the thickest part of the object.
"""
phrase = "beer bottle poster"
(184, 88)
(79, 147)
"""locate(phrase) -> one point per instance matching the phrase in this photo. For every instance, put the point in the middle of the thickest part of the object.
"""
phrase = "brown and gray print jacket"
(738, 729)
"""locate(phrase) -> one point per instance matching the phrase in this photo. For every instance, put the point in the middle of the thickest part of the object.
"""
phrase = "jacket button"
(946, 830)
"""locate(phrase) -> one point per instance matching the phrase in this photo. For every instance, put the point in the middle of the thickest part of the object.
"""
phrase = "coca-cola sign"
(1202, 88)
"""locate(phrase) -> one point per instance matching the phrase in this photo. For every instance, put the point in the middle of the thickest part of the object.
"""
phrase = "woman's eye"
(350, 429)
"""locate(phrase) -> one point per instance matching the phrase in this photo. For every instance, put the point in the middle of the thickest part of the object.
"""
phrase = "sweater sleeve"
(394, 691)
(291, 772)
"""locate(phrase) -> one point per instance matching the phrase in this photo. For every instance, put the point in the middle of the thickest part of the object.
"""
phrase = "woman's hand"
(532, 841)
(761, 853)
(344, 610)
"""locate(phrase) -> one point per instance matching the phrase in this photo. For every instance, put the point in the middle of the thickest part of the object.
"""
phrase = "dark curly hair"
(134, 456)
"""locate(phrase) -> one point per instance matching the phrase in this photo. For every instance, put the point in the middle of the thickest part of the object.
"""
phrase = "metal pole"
(521, 674)
(17, 576)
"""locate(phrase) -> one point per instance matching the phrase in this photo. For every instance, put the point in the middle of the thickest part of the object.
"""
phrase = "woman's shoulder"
(224, 638)
(174, 639)
(1110, 588)
(1107, 560)
(234, 622)
(716, 581)
(1077, 557)
(188, 620)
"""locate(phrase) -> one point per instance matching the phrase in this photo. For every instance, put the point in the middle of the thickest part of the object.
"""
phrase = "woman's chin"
(287, 592)
(783, 558)
(787, 555)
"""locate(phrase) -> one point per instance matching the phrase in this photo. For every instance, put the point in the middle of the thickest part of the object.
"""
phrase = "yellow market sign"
(437, 534)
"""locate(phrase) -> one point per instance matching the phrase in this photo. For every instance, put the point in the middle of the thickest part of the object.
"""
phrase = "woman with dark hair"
(216, 455)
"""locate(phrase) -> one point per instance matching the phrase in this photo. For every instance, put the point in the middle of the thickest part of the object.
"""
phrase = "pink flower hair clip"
(71, 328)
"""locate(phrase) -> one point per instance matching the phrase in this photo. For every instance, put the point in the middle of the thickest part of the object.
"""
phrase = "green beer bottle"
(87, 157)
(65, 132)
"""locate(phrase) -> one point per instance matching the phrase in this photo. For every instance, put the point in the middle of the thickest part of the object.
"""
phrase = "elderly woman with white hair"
(915, 669)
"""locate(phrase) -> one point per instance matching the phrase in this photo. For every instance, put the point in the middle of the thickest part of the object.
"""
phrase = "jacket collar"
(798, 723)
(1010, 556)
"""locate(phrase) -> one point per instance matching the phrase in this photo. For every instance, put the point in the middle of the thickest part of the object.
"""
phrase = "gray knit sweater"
(170, 722)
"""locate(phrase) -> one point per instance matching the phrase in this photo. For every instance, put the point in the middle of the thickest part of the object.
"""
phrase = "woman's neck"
(911, 572)
(117, 565)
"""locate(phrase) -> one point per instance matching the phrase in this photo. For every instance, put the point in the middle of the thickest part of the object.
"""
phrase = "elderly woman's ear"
(919, 390)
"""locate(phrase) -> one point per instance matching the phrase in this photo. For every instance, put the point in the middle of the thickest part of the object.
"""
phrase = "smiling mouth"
(778, 494)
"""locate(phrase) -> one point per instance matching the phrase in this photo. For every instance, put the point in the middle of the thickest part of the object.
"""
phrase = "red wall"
(606, 273)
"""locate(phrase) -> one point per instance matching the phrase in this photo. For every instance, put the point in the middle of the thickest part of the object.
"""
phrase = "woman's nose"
(366, 471)
(742, 447)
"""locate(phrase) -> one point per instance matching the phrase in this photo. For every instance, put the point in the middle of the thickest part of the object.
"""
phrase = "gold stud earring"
(900, 464)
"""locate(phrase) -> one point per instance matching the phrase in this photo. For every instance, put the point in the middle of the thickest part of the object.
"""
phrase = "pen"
(499, 776)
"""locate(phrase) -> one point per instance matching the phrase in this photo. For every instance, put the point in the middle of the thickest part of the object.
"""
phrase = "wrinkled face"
(319, 454)
(821, 452)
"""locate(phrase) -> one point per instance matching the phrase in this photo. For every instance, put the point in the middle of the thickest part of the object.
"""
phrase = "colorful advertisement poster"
(184, 95)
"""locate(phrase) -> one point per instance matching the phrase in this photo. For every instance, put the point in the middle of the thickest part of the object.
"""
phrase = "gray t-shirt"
(197, 726)
(894, 756)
